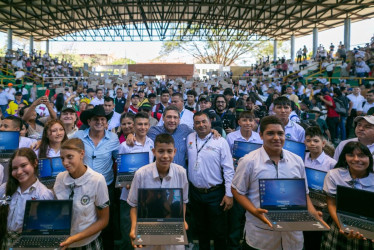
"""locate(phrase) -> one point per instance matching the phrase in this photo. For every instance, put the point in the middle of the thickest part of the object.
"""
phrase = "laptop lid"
(57, 166)
(160, 205)
(45, 168)
(282, 194)
(315, 179)
(9, 141)
(355, 202)
(47, 217)
(242, 148)
(129, 163)
(295, 147)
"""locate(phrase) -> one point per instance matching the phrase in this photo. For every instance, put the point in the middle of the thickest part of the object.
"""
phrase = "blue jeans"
(341, 128)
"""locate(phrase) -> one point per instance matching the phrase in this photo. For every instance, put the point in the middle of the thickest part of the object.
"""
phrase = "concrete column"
(347, 33)
(315, 41)
(292, 48)
(10, 39)
(275, 50)
(47, 46)
(31, 44)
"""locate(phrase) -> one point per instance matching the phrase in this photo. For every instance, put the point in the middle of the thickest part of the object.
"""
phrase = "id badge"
(197, 165)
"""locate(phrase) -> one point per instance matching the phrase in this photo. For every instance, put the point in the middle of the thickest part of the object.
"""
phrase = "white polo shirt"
(237, 136)
(356, 100)
(137, 148)
(206, 167)
(186, 118)
(341, 145)
(25, 142)
(97, 101)
(323, 162)
(114, 121)
(294, 132)
(342, 177)
(36, 191)
(365, 108)
(90, 192)
(148, 177)
(50, 153)
(257, 165)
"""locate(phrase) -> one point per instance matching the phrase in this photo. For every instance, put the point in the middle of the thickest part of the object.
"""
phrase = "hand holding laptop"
(259, 213)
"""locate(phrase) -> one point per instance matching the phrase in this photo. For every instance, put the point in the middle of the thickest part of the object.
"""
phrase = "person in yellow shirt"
(13, 105)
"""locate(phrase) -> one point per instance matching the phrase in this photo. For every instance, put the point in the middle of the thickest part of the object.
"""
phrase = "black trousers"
(332, 124)
(108, 233)
(209, 217)
(349, 124)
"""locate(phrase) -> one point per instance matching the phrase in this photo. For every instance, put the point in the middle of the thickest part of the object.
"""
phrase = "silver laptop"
(127, 164)
(160, 217)
(46, 224)
(285, 200)
(315, 180)
(49, 168)
(9, 143)
(355, 210)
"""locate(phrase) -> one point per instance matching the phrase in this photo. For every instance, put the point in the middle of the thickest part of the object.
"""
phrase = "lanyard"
(198, 150)
(182, 113)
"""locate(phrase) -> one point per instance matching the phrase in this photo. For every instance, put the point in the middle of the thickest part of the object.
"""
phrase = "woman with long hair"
(127, 126)
(89, 193)
(22, 185)
(354, 169)
(54, 135)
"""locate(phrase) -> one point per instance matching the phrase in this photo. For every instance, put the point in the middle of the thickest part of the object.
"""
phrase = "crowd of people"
(189, 132)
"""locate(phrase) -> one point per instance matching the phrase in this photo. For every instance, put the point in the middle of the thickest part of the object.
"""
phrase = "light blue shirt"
(237, 136)
(100, 157)
(179, 135)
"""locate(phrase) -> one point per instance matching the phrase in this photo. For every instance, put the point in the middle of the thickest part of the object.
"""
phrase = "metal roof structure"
(147, 20)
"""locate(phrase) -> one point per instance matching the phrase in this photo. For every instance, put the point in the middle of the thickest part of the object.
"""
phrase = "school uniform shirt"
(148, 177)
(36, 191)
(213, 165)
(137, 148)
(342, 177)
(50, 153)
(97, 101)
(1, 173)
(323, 162)
(186, 117)
(25, 142)
(257, 165)
(237, 136)
(294, 132)
(341, 145)
(90, 192)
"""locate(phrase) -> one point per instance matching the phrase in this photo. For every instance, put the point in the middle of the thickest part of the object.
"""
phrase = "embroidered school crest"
(85, 200)
(288, 136)
(190, 145)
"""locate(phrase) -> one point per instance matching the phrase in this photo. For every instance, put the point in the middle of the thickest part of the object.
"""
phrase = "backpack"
(340, 107)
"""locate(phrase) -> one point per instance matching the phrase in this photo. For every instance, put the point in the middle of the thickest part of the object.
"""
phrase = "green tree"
(121, 61)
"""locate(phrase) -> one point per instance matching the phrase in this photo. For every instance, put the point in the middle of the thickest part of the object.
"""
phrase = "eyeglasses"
(220, 102)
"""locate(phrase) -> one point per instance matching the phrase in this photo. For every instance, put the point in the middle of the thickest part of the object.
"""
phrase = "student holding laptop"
(160, 174)
(22, 185)
(142, 143)
(268, 162)
(354, 169)
(89, 193)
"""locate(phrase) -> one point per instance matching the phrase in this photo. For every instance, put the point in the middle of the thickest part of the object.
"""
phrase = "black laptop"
(9, 143)
(49, 168)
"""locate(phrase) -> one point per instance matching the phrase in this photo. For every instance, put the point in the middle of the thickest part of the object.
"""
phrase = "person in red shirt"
(333, 117)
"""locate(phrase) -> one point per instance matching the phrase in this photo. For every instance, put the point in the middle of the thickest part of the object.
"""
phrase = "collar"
(250, 138)
(30, 189)
(319, 159)
(87, 133)
(346, 176)
(156, 175)
(205, 138)
(266, 156)
(290, 124)
(68, 180)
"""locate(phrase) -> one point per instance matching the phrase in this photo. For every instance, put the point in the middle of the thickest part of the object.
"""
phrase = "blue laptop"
(316, 179)
(49, 168)
(127, 164)
(242, 148)
(295, 147)
(9, 143)
(286, 202)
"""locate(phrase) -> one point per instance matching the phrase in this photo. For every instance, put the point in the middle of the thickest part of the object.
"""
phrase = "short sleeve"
(132, 199)
(329, 185)
(102, 196)
(241, 180)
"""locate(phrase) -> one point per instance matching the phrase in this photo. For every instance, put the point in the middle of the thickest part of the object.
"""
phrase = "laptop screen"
(160, 204)
(57, 166)
(9, 141)
(282, 194)
(46, 217)
(295, 147)
(242, 148)
(45, 168)
(355, 202)
(315, 179)
(128, 163)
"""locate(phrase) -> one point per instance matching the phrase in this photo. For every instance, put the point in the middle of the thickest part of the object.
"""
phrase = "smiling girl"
(354, 169)
(53, 136)
(89, 193)
(22, 185)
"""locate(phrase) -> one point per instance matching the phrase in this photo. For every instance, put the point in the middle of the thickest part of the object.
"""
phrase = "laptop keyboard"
(318, 197)
(291, 217)
(357, 223)
(160, 229)
(123, 178)
(39, 241)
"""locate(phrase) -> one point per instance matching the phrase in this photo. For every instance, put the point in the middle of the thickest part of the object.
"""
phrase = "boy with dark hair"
(13, 123)
(191, 101)
(160, 174)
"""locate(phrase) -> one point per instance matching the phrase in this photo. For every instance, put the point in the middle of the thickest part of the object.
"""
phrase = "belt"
(207, 190)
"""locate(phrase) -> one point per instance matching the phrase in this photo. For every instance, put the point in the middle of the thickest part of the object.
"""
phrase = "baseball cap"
(18, 93)
(68, 107)
(368, 118)
(204, 98)
(10, 84)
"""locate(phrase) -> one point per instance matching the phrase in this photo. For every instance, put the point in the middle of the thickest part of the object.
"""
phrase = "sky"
(142, 52)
